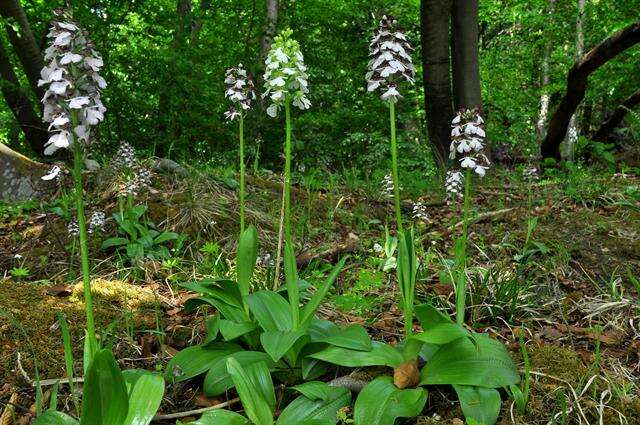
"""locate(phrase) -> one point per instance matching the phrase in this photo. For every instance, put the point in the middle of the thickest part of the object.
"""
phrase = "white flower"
(390, 60)
(420, 212)
(377, 247)
(98, 219)
(57, 141)
(78, 102)
(240, 90)
(467, 138)
(285, 78)
(70, 57)
(453, 185)
(53, 173)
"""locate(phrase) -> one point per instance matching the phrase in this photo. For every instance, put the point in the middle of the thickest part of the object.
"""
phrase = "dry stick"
(485, 216)
(276, 277)
(194, 412)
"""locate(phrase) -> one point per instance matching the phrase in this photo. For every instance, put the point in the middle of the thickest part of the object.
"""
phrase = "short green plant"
(138, 238)
(19, 273)
(111, 396)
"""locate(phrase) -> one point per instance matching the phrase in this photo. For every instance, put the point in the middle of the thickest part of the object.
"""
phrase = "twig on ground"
(178, 415)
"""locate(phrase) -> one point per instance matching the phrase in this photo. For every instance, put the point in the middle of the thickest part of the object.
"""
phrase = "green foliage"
(381, 403)
(138, 238)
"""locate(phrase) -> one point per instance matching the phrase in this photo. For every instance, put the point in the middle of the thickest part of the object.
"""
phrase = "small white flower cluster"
(240, 90)
(72, 100)
(420, 212)
(265, 260)
(286, 75)
(467, 139)
(98, 219)
(453, 185)
(387, 186)
(72, 228)
(391, 60)
(531, 173)
(125, 157)
(138, 181)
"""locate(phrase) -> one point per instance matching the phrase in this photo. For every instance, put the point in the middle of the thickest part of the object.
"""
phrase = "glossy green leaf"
(270, 310)
(218, 380)
(484, 364)
(144, 399)
(309, 310)
(429, 316)
(104, 397)
(255, 389)
(442, 333)
(381, 403)
(231, 330)
(277, 343)
(221, 417)
(479, 404)
(223, 290)
(246, 259)
(354, 337)
(193, 361)
(318, 402)
(51, 417)
(115, 241)
(381, 354)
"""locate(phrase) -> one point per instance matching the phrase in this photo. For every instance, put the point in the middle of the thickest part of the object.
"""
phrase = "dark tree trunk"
(577, 85)
(24, 43)
(466, 65)
(607, 127)
(30, 123)
(435, 17)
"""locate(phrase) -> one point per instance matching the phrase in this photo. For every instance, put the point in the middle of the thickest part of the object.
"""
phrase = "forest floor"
(570, 292)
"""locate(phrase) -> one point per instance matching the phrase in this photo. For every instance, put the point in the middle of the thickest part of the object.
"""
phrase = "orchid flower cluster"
(240, 90)
(56, 173)
(387, 186)
(420, 212)
(97, 222)
(286, 75)
(531, 173)
(390, 62)
(454, 185)
(467, 139)
(72, 100)
(137, 178)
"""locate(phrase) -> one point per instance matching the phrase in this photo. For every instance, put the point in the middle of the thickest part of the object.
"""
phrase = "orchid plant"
(240, 90)
(467, 141)
(73, 106)
(390, 64)
(286, 84)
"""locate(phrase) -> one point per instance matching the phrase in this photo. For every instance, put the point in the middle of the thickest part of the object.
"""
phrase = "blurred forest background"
(165, 62)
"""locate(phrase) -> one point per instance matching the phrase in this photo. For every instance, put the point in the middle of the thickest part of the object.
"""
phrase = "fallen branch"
(179, 415)
(332, 254)
(490, 215)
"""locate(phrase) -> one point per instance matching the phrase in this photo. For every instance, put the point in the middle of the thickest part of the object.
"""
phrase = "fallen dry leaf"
(407, 375)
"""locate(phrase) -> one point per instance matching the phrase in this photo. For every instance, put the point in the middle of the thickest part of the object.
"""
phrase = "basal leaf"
(381, 403)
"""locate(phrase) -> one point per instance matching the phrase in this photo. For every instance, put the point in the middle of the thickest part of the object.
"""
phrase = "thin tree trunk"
(607, 127)
(573, 131)
(271, 23)
(435, 17)
(24, 43)
(20, 105)
(577, 80)
(545, 79)
(466, 65)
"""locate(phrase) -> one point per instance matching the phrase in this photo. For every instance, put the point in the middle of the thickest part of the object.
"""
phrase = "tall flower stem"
(394, 165)
(78, 159)
(241, 130)
(461, 290)
(287, 175)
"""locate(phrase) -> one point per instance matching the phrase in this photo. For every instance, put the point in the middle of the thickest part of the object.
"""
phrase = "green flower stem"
(287, 175)
(461, 290)
(241, 174)
(394, 166)
(78, 159)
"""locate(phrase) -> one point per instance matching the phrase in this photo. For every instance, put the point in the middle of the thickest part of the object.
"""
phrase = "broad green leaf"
(221, 417)
(231, 330)
(429, 316)
(381, 354)
(218, 380)
(246, 259)
(291, 279)
(193, 361)
(224, 290)
(257, 398)
(313, 368)
(354, 337)
(104, 397)
(310, 308)
(144, 399)
(164, 237)
(51, 417)
(318, 402)
(381, 403)
(479, 404)
(484, 364)
(270, 310)
(237, 314)
(212, 326)
(116, 241)
(442, 333)
(277, 343)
